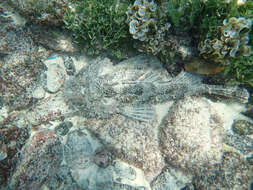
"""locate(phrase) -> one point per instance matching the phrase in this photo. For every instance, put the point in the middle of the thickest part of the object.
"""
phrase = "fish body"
(128, 88)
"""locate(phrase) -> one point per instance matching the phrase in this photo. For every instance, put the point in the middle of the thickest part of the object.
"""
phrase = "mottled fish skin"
(102, 89)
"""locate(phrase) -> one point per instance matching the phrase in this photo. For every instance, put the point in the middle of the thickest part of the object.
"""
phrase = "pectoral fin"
(143, 113)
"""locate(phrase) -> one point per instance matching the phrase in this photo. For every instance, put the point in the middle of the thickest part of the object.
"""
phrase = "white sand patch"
(230, 112)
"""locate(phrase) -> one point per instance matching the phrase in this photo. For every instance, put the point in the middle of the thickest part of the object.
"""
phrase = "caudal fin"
(231, 92)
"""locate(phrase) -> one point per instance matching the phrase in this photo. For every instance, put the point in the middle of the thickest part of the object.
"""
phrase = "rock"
(54, 39)
(63, 128)
(20, 64)
(12, 140)
(134, 142)
(191, 135)
(93, 169)
(44, 11)
(171, 179)
(233, 173)
(242, 127)
(12, 15)
(51, 108)
(242, 143)
(39, 161)
(63, 180)
(55, 73)
(38, 93)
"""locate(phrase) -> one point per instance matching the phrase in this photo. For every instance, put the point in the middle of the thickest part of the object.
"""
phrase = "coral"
(233, 40)
(147, 24)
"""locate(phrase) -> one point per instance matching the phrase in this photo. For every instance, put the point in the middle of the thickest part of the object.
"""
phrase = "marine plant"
(98, 24)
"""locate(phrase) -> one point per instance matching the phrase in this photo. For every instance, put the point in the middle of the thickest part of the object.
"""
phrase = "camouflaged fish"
(131, 88)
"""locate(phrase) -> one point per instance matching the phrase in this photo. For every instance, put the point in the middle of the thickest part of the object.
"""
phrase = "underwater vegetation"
(219, 30)
(98, 25)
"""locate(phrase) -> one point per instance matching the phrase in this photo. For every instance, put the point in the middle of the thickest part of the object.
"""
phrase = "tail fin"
(233, 92)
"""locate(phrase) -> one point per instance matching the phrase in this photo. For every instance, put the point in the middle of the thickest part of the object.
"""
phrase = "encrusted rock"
(132, 141)
(191, 135)
(19, 62)
(48, 109)
(48, 12)
(12, 140)
(39, 160)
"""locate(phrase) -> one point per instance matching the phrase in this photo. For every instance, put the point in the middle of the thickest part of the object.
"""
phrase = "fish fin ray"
(143, 113)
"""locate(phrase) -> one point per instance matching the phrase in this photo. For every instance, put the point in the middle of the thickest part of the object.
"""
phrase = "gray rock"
(80, 155)
(171, 179)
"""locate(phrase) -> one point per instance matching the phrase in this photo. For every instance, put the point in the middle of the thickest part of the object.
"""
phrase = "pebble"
(55, 73)
(242, 127)
(39, 93)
